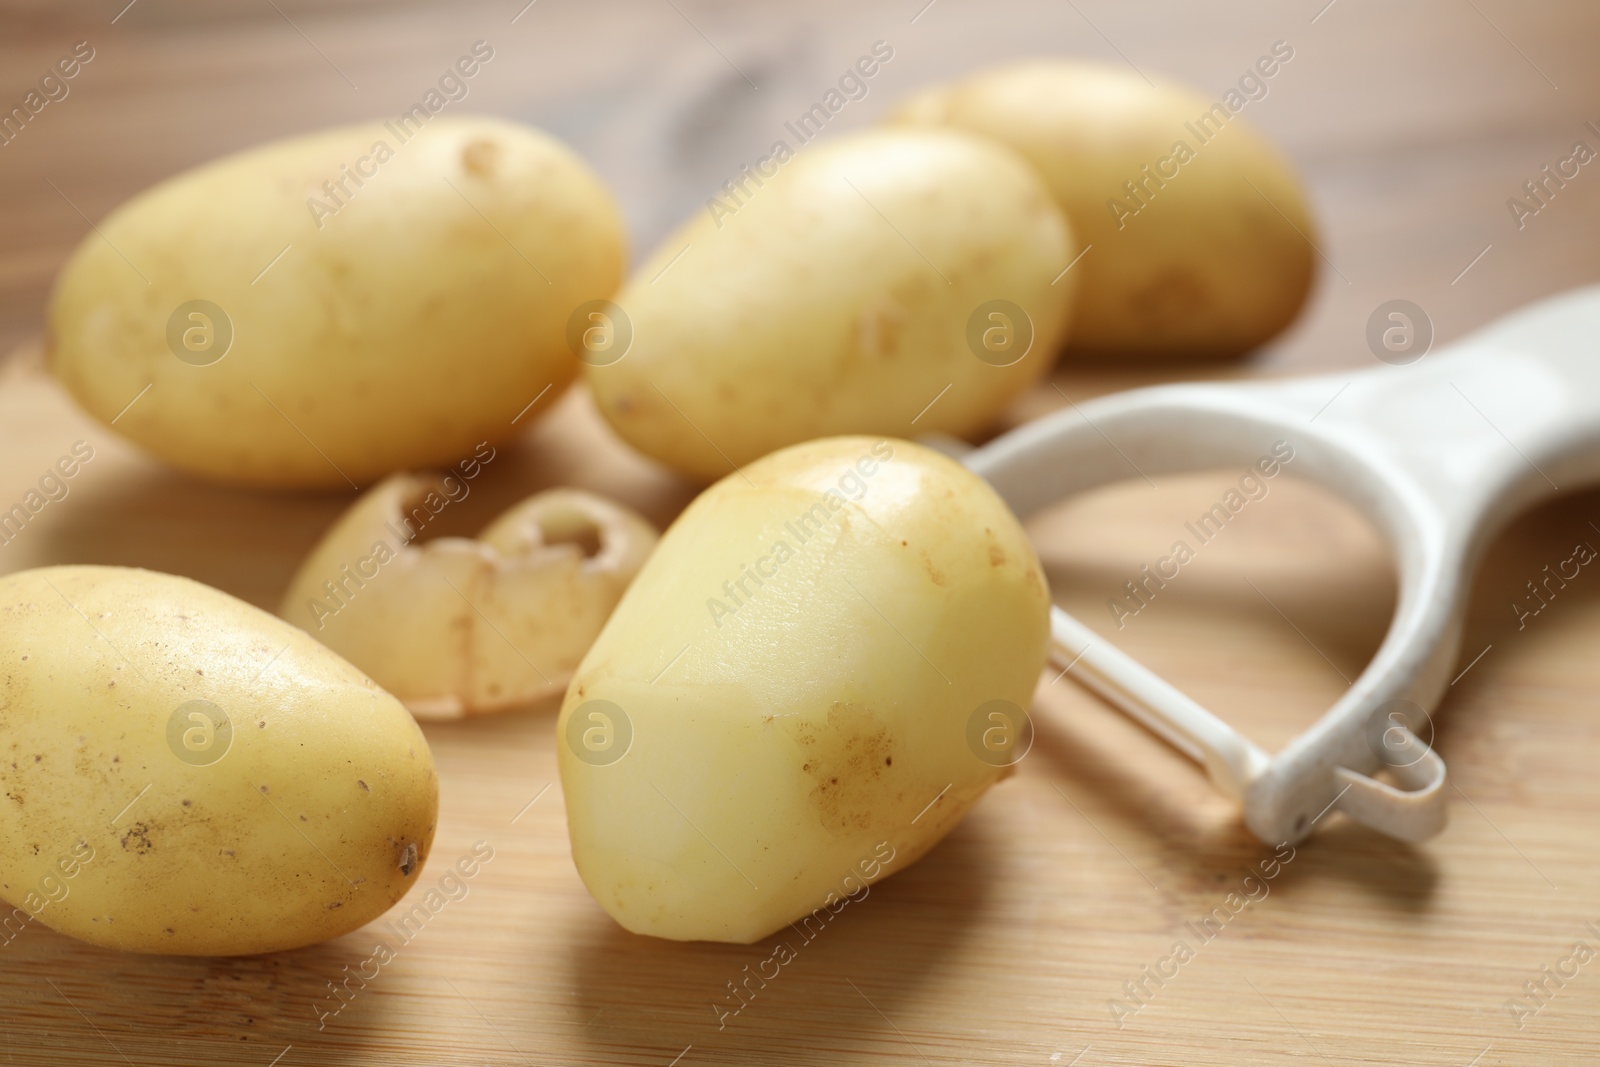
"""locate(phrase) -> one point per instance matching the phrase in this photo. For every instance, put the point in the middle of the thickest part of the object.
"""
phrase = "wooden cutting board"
(1031, 934)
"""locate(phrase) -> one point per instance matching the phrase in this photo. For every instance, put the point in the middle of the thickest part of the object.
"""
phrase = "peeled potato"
(299, 325)
(894, 281)
(186, 774)
(1206, 257)
(819, 671)
(459, 627)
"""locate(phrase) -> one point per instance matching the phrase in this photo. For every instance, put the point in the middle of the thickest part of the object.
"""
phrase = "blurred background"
(1412, 124)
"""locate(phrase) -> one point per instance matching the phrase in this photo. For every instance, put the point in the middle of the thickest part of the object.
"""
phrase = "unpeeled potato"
(1206, 257)
(274, 318)
(893, 281)
(185, 774)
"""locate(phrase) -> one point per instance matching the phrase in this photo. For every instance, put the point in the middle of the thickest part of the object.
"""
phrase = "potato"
(818, 672)
(185, 774)
(893, 282)
(1185, 259)
(459, 627)
(421, 301)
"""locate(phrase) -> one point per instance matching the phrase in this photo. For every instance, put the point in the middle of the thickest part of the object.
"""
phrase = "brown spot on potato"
(1173, 297)
(879, 329)
(480, 156)
(1035, 581)
(137, 839)
(846, 758)
(408, 858)
(997, 556)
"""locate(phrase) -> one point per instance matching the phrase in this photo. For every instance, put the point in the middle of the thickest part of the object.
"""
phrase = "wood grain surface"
(1008, 943)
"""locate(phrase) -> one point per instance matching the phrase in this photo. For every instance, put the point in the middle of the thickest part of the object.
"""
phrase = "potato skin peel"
(315, 820)
(457, 627)
(774, 748)
(409, 326)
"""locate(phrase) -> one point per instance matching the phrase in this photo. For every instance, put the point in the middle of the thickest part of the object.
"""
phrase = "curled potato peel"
(457, 627)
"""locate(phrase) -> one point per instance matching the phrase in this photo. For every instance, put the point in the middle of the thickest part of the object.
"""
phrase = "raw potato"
(790, 682)
(1207, 267)
(133, 819)
(837, 299)
(396, 332)
(458, 627)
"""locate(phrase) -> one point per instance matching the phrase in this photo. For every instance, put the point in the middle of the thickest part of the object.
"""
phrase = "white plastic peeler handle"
(1439, 455)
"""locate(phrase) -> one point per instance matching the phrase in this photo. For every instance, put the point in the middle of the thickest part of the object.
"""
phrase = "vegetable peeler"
(1439, 454)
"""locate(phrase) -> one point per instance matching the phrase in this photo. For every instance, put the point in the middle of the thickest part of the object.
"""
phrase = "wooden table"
(1413, 124)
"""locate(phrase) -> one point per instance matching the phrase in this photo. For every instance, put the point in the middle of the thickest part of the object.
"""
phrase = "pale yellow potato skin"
(1208, 268)
(456, 627)
(317, 818)
(776, 747)
(417, 321)
(836, 300)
